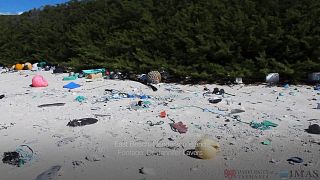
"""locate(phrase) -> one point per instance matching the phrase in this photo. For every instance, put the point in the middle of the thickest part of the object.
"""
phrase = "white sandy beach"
(122, 142)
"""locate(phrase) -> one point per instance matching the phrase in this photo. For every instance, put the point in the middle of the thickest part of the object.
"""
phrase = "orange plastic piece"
(163, 114)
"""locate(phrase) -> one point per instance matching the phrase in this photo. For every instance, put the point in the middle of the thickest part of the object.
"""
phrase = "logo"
(284, 174)
(229, 173)
(298, 174)
(247, 174)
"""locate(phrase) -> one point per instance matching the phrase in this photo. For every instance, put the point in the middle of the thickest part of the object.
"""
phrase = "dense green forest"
(203, 39)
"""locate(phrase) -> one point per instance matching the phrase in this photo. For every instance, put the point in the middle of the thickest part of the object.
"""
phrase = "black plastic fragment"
(82, 122)
(50, 105)
(313, 129)
(12, 158)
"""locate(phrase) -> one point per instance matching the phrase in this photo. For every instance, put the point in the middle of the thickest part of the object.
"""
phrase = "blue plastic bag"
(71, 85)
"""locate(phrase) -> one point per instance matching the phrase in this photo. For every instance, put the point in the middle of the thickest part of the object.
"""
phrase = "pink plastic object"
(180, 127)
(39, 81)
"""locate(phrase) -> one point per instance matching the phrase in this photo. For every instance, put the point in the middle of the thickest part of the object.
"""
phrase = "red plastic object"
(163, 114)
(180, 127)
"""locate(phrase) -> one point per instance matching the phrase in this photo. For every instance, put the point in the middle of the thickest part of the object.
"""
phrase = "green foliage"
(203, 39)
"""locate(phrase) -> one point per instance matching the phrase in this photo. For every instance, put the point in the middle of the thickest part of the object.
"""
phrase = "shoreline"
(155, 151)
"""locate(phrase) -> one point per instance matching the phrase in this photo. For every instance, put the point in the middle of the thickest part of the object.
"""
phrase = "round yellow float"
(27, 66)
(18, 67)
(207, 148)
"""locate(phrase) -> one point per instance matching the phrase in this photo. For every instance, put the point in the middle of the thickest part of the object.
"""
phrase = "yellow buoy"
(207, 148)
(94, 76)
(18, 67)
(154, 77)
(27, 66)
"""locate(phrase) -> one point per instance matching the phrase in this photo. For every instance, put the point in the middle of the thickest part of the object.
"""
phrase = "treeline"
(203, 39)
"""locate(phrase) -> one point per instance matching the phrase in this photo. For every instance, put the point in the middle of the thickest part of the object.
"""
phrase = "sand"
(122, 145)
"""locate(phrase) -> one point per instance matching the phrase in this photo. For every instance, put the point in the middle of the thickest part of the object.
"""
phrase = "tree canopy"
(204, 39)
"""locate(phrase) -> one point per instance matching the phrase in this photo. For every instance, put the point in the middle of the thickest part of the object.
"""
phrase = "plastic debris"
(314, 77)
(266, 142)
(18, 67)
(215, 91)
(238, 80)
(218, 92)
(272, 78)
(130, 95)
(273, 161)
(292, 93)
(27, 66)
(295, 160)
(41, 64)
(50, 174)
(236, 111)
(39, 81)
(147, 171)
(264, 125)
(207, 148)
(140, 105)
(152, 87)
(163, 114)
(313, 129)
(92, 158)
(51, 105)
(22, 155)
(71, 85)
(101, 99)
(286, 86)
(142, 77)
(115, 94)
(71, 77)
(153, 124)
(180, 127)
(58, 70)
(80, 98)
(12, 158)
(154, 77)
(116, 75)
(94, 71)
(82, 122)
(144, 97)
(215, 101)
(95, 76)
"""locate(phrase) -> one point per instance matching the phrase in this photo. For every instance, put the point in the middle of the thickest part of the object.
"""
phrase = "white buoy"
(314, 77)
(35, 67)
(272, 78)
(238, 80)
